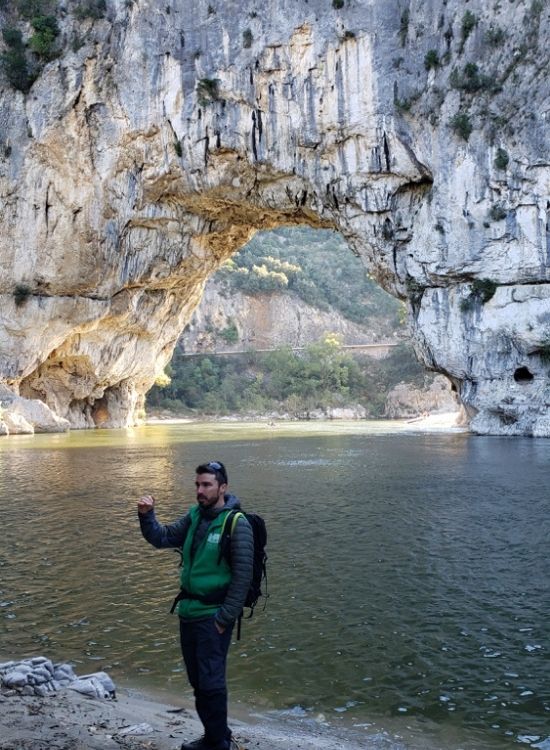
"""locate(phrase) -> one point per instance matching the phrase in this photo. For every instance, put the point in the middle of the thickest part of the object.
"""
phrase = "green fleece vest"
(203, 574)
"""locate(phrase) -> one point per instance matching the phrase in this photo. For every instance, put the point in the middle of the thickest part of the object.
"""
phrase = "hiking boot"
(199, 744)
(202, 744)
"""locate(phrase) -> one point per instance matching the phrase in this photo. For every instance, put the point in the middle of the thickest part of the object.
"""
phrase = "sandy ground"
(444, 422)
(69, 721)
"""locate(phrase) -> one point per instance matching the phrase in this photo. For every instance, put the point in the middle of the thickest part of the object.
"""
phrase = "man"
(213, 592)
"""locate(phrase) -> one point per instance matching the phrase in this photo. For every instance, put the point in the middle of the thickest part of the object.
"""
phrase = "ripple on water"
(402, 571)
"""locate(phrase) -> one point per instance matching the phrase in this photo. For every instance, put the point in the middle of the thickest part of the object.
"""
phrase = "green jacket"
(201, 573)
(175, 536)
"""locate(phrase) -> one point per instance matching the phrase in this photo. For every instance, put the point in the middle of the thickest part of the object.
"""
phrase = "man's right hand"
(145, 504)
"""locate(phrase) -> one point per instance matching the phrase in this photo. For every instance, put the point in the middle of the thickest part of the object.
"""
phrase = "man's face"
(210, 494)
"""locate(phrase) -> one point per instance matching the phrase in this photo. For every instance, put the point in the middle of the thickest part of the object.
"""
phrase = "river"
(408, 573)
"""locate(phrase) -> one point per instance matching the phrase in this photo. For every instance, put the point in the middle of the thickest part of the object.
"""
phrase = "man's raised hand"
(145, 504)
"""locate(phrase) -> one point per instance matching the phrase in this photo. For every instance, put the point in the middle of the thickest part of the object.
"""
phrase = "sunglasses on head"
(217, 466)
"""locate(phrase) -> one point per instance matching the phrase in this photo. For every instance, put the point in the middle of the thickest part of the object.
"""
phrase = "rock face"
(160, 140)
(268, 321)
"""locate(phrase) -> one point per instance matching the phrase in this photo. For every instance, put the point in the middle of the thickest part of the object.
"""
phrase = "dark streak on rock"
(47, 206)
(387, 153)
(254, 149)
(260, 125)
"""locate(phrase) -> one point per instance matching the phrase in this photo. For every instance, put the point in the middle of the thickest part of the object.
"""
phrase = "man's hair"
(216, 468)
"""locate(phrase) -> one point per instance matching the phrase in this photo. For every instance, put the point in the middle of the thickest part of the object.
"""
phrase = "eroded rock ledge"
(143, 158)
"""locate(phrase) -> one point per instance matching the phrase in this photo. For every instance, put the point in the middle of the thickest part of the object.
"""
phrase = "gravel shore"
(67, 720)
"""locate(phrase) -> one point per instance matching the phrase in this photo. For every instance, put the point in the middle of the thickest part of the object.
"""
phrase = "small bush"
(29, 9)
(230, 334)
(177, 148)
(462, 125)
(469, 22)
(43, 40)
(495, 36)
(208, 91)
(14, 61)
(247, 39)
(431, 60)
(94, 9)
(484, 289)
(21, 294)
(337, 4)
(501, 159)
(498, 212)
(403, 105)
(470, 79)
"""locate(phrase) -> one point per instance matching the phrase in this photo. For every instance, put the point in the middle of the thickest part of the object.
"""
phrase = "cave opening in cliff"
(293, 325)
(523, 375)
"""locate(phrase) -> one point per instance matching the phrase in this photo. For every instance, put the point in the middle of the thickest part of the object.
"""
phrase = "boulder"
(29, 415)
(17, 424)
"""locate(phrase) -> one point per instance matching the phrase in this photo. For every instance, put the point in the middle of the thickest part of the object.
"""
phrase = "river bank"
(447, 421)
(67, 720)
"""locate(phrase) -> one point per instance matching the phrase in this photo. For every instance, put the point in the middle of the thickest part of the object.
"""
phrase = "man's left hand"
(219, 628)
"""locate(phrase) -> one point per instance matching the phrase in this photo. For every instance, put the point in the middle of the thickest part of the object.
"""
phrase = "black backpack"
(259, 570)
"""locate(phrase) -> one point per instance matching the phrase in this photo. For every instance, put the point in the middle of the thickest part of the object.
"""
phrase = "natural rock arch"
(139, 162)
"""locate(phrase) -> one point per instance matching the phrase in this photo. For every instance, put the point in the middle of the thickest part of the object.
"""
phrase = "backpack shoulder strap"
(229, 523)
(236, 515)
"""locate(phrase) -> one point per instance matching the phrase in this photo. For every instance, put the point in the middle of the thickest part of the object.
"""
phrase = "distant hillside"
(317, 266)
(291, 287)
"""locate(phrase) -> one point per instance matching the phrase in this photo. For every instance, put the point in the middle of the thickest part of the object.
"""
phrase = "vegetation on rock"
(482, 291)
(296, 383)
(317, 266)
(32, 37)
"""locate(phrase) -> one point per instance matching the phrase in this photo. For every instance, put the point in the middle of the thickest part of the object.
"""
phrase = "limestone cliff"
(161, 139)
(269, 321)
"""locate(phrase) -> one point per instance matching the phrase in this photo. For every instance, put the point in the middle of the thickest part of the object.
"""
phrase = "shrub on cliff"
(14, 61)
(94, 9)
(42, 42)
(21, 294)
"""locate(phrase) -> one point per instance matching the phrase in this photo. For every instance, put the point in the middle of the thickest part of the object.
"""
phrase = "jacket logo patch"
(213, 537)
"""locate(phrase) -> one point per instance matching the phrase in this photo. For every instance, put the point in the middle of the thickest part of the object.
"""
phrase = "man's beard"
(204, 502)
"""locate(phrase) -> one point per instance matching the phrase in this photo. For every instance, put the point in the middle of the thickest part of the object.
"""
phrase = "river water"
(408, 574)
